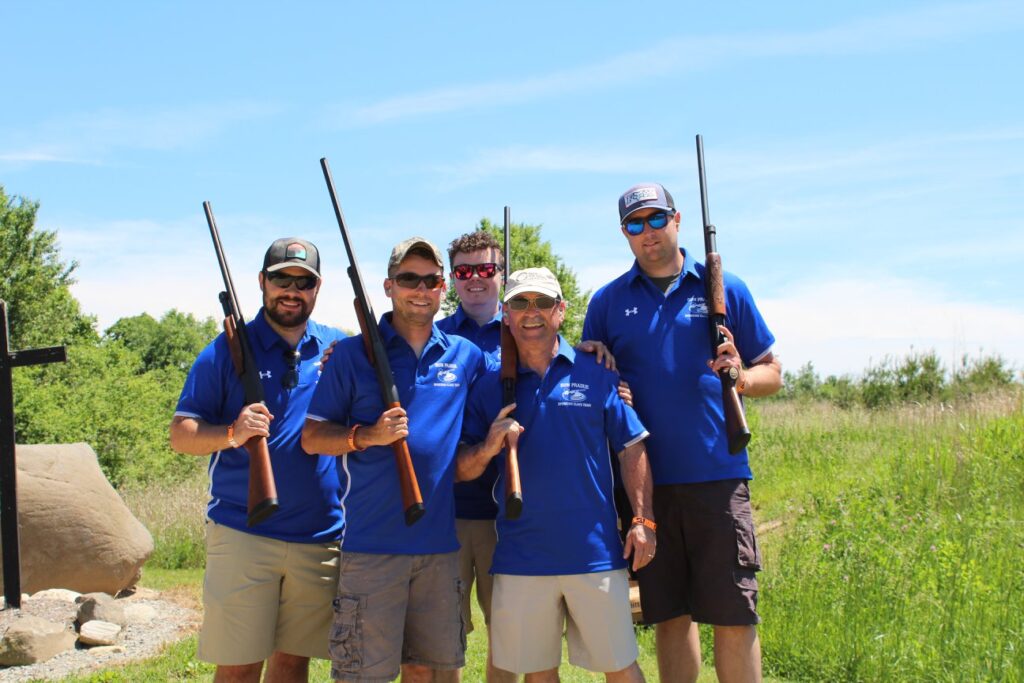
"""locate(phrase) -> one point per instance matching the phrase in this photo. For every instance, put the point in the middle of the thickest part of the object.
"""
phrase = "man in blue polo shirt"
(398, 607)
(654, 318)
(561, 563)
(268, 588)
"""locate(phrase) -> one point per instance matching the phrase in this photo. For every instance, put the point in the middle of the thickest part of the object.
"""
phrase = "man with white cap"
(268, 588)
(561, 564)
(398, 607)
(654, 318)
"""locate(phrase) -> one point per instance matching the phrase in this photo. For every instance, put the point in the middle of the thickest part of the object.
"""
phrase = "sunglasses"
(302, 282)
(464, 271)
(412, 280)
(657, 221)
(541, 303)
(291, 377)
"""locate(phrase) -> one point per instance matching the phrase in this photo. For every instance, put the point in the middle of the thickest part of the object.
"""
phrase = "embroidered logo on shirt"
(574, 394)
(696, 307)
(265, 375)
(631, 311)
(446, 375)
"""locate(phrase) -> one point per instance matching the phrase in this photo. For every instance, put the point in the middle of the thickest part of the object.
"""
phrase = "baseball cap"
(644, 196)
(536, 280)
(292, 251)
(403, 248)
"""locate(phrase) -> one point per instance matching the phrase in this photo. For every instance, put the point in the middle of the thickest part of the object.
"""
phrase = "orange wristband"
(231, 436)
(645, 522)
(352, 439)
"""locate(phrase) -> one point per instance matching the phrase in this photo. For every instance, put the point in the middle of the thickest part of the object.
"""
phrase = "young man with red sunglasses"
(399, 602)
(654, 318)
(268, 588)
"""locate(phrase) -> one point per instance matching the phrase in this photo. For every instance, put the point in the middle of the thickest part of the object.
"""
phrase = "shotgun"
(509, 363)
(412, 500)
(262, 501)
(735, 420)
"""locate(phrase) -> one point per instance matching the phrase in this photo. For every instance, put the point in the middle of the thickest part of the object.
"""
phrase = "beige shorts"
(262, 595)
(528, 614)
(477, 538)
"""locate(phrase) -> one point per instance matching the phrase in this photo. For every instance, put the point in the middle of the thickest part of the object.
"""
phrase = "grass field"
(893, 544)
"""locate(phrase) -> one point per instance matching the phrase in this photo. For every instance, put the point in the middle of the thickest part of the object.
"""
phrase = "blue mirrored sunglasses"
(657, 221)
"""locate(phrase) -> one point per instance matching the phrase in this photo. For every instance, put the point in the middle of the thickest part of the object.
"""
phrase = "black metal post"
(8, 466)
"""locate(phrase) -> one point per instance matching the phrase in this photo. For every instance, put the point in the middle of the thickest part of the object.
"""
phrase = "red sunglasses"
(464, 271)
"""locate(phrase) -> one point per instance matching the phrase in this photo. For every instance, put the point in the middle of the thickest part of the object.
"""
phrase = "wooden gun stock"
(737, 431)
(509, 363)
(262, 497)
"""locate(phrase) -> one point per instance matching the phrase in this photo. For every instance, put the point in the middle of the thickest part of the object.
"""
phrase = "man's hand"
(600, 351)
(327, 354)
(641, 542)
(253, 420)
(503, 427)
(392, 425)
(728, 356)
(625, 393)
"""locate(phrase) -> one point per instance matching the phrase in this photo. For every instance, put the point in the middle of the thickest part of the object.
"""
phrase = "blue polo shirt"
(475, 499)
(433, 390)
(307, 485)
(661, 345)
(571, 415)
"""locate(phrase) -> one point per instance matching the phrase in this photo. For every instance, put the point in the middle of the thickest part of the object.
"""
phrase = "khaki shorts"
(262, 595)
(477, 538)
(393, 610)
(529, 612)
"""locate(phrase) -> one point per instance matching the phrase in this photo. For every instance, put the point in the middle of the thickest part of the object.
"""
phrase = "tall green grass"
(893, 543)
(900, 553)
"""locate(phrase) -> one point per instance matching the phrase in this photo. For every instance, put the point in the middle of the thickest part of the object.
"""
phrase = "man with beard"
(398, 608)
(654, 318)
(268, 588)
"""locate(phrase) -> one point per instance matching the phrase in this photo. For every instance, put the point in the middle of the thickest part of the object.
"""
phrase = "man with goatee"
(268, 588)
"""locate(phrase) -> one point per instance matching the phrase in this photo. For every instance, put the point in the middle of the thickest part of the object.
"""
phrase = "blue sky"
(865, 160)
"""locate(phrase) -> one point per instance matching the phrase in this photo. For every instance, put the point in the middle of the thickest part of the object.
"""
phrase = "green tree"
(99, 397)
(173, 342)
(35, 282)
(528, 250)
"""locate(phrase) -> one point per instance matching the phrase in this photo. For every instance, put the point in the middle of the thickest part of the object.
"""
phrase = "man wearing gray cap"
(267, 590)
(398, 607)
(560, 565)
(654, 318)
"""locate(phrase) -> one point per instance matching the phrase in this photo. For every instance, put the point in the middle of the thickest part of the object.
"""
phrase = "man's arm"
(193, 436)
(331, 438)
(636, 480)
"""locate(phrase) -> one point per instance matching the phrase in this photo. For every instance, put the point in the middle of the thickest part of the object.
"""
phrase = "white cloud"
(845, 324)
(90, 137)
(892, 32)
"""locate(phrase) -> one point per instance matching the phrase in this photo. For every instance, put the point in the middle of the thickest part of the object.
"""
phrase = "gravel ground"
(137, 641)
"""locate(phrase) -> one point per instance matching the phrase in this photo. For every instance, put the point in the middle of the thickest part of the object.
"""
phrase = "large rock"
(33, 639)
(76, 532)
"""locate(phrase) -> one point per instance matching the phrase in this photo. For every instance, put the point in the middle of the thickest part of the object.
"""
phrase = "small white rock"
(62, 594)
(139, 614)
(98, 632)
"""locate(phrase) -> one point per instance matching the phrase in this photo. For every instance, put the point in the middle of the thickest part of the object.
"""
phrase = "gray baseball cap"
(403, 248)
(292, 251)
(644, 196)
